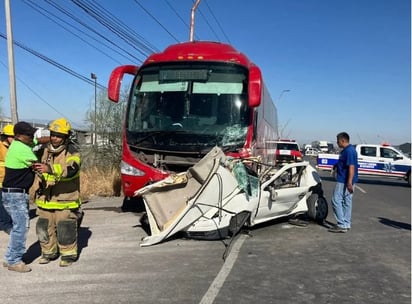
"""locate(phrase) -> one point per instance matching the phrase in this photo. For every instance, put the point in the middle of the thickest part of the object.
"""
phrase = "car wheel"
(317, 207)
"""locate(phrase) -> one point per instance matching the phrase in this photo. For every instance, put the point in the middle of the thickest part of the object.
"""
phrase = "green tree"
(109, 117)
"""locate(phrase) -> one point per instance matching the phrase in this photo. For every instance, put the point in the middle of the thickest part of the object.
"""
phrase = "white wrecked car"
(219, 195)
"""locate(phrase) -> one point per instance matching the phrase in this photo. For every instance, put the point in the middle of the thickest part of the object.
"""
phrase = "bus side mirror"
(255, 86)
(115, 80)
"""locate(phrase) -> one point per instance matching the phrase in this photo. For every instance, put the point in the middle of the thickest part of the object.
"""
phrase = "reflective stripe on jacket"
(57, 190)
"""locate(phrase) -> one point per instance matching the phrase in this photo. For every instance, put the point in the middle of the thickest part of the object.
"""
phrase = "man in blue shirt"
(347, 176)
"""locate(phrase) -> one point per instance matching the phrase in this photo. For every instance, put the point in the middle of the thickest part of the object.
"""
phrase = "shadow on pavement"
(394, 224)
(373, 181)
(34, 251)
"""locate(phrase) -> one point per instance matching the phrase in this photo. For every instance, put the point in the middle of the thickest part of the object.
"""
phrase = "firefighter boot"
(66, 261)
(46, 258)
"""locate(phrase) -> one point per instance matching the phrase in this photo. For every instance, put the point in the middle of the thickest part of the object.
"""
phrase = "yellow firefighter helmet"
(60, 125)
(8, 130)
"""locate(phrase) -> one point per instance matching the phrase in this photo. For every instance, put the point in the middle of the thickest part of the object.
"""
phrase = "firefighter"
(58, 196)
(7, 137)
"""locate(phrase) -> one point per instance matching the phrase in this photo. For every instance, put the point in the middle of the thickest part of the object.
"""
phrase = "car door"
(368, 160)
(392, 162)
(281, 195)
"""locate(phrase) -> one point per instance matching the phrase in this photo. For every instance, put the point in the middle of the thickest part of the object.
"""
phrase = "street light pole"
(279, 126)
(281, 94)
(94, 77)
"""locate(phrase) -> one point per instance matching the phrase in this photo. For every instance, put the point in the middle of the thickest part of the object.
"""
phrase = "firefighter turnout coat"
(58, 202)
(60, 189)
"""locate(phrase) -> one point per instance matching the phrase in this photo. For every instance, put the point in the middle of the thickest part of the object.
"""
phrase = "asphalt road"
(273, 263)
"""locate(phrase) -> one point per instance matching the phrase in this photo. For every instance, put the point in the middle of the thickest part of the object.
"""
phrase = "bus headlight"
(127, 169)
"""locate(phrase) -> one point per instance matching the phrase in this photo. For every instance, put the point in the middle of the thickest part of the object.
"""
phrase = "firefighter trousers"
(57, 233)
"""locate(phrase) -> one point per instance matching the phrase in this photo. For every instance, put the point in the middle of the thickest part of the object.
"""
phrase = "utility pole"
(10, 52)
(94, 77)
(192, 20)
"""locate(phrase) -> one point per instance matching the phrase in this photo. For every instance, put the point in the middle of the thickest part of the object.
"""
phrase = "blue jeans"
(342, 205)
(17, 205)
(5, 219)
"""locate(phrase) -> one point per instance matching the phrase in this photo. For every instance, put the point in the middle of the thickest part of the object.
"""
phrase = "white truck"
(373, 160)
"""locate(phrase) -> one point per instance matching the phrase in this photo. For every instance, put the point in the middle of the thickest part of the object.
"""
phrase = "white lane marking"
(227, 266)
(360, 189)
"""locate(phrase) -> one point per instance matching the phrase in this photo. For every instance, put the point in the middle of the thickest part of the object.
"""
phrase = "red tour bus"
(184, 101)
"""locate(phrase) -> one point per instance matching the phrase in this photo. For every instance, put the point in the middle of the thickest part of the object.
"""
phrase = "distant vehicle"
(286, 151)
(373, 160)
(312, 152)
(323, 145)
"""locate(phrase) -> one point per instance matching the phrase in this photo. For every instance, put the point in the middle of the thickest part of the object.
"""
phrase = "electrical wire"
(208, 24)
(217, 22)
(180, 17)
(82, 23)
(138, 45)
(38, 96)
(45, 13)
(157, 21)
(55, 63)
(128, 30)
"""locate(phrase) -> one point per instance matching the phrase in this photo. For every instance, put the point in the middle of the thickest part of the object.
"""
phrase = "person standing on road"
(6, 137)
(58, 196)
(347, 176)
(18, 179)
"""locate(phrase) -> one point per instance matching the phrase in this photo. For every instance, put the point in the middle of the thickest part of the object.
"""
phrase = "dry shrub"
(96, 181)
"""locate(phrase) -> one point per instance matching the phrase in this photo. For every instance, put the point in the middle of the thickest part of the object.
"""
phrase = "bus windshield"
(176, 106)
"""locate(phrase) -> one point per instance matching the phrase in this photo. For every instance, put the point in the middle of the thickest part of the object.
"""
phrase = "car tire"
(317, 207)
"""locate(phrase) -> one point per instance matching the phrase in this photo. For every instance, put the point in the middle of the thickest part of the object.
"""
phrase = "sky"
(329, 65)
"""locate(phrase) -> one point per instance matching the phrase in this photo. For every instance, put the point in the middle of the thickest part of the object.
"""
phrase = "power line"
(209, 25)
(157, 21)
(41, 98)
(45, 13)
(67, 13)
(217, 22)
(149, 47)
(55, 63)
(114, 28)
